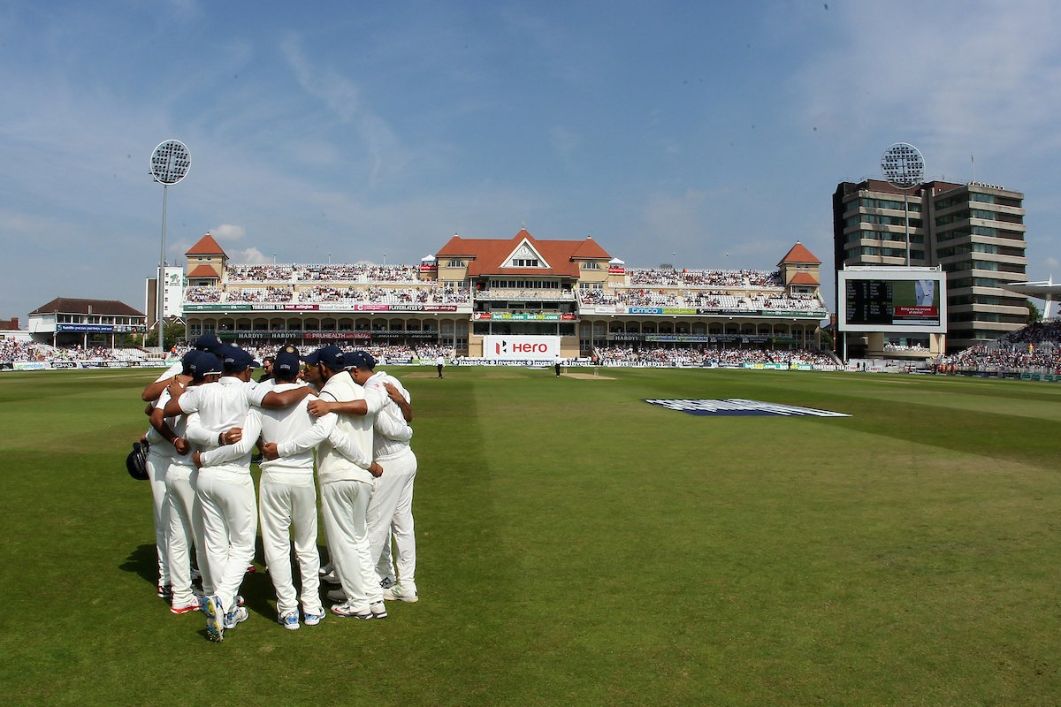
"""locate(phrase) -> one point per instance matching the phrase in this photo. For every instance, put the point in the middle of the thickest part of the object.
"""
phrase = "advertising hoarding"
(521, 348)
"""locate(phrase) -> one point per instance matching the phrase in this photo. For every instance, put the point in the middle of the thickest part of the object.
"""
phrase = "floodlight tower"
(169, 165)
(903, 167)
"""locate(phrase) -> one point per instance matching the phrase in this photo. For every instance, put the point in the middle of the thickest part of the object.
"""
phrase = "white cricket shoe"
(349, 611)
(401, 592)
(236, 616)
(289, 620)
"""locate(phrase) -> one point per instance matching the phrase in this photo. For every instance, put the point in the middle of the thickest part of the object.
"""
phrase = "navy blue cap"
(286, 362)
(188, 361)
(331, 356)
(235, 359)
(209, 342)
(360, 359)
(203, 364)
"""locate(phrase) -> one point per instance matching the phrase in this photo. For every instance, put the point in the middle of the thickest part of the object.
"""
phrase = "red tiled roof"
(488, 254)
(589, 248)
(71, 305)
(204, 270)
(803, 278)
(205, 246)
(799, 254)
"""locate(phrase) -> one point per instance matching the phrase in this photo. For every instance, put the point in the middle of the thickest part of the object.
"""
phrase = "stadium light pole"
(169, 165)
(904, 168)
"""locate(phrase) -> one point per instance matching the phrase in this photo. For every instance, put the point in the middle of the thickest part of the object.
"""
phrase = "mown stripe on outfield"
(463, 569)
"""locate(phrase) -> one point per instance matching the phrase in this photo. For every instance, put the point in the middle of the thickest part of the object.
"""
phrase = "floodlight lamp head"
(902, 165)
(170, 162)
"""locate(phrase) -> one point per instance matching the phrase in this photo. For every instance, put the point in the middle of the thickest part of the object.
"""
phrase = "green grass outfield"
(578, 546)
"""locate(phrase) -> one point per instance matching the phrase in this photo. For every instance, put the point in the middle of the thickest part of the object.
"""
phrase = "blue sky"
(704, 134)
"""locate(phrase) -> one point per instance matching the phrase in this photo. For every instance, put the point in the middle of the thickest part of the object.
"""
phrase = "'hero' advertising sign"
(521, 348)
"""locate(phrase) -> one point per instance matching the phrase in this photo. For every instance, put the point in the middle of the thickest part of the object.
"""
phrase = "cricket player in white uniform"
(157, 465)
(346, 489)
(390, 510)
(160, 436)
(185, 528)
(158, 459)
(206, 342)
(288, 495)
(225, 489)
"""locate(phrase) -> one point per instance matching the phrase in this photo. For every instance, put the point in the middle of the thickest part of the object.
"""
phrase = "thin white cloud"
(251, 256)
(339, 93)
(342, 96)
(228, 232)
(960, 79)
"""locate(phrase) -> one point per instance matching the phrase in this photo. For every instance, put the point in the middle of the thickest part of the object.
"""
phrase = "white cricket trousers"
(391, 510)
(157, 466)
(230, 523)
(185, 526)
(345, 510)
(285, 505)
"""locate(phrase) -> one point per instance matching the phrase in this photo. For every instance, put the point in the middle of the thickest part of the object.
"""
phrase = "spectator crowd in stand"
(259, 273)
(430, 294)
(381, 295)
(1036, 347)
(367, 273)
(260, 294)
(699, 356)
(1037, 332)
(384, 353)
(704, 278)
(317, 294)
(642, 297)
(358, 272)
(202, 295)
(12, 351)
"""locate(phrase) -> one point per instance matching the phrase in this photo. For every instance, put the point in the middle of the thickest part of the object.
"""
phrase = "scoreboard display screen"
(898, 300)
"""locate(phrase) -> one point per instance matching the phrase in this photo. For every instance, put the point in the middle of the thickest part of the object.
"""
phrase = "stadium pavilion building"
(74, 321)
(570, 290)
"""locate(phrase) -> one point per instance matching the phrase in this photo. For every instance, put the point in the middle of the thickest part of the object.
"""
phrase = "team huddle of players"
(207, 415)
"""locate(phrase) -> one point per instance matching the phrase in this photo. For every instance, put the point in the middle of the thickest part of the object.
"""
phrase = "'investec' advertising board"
(521, 348)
